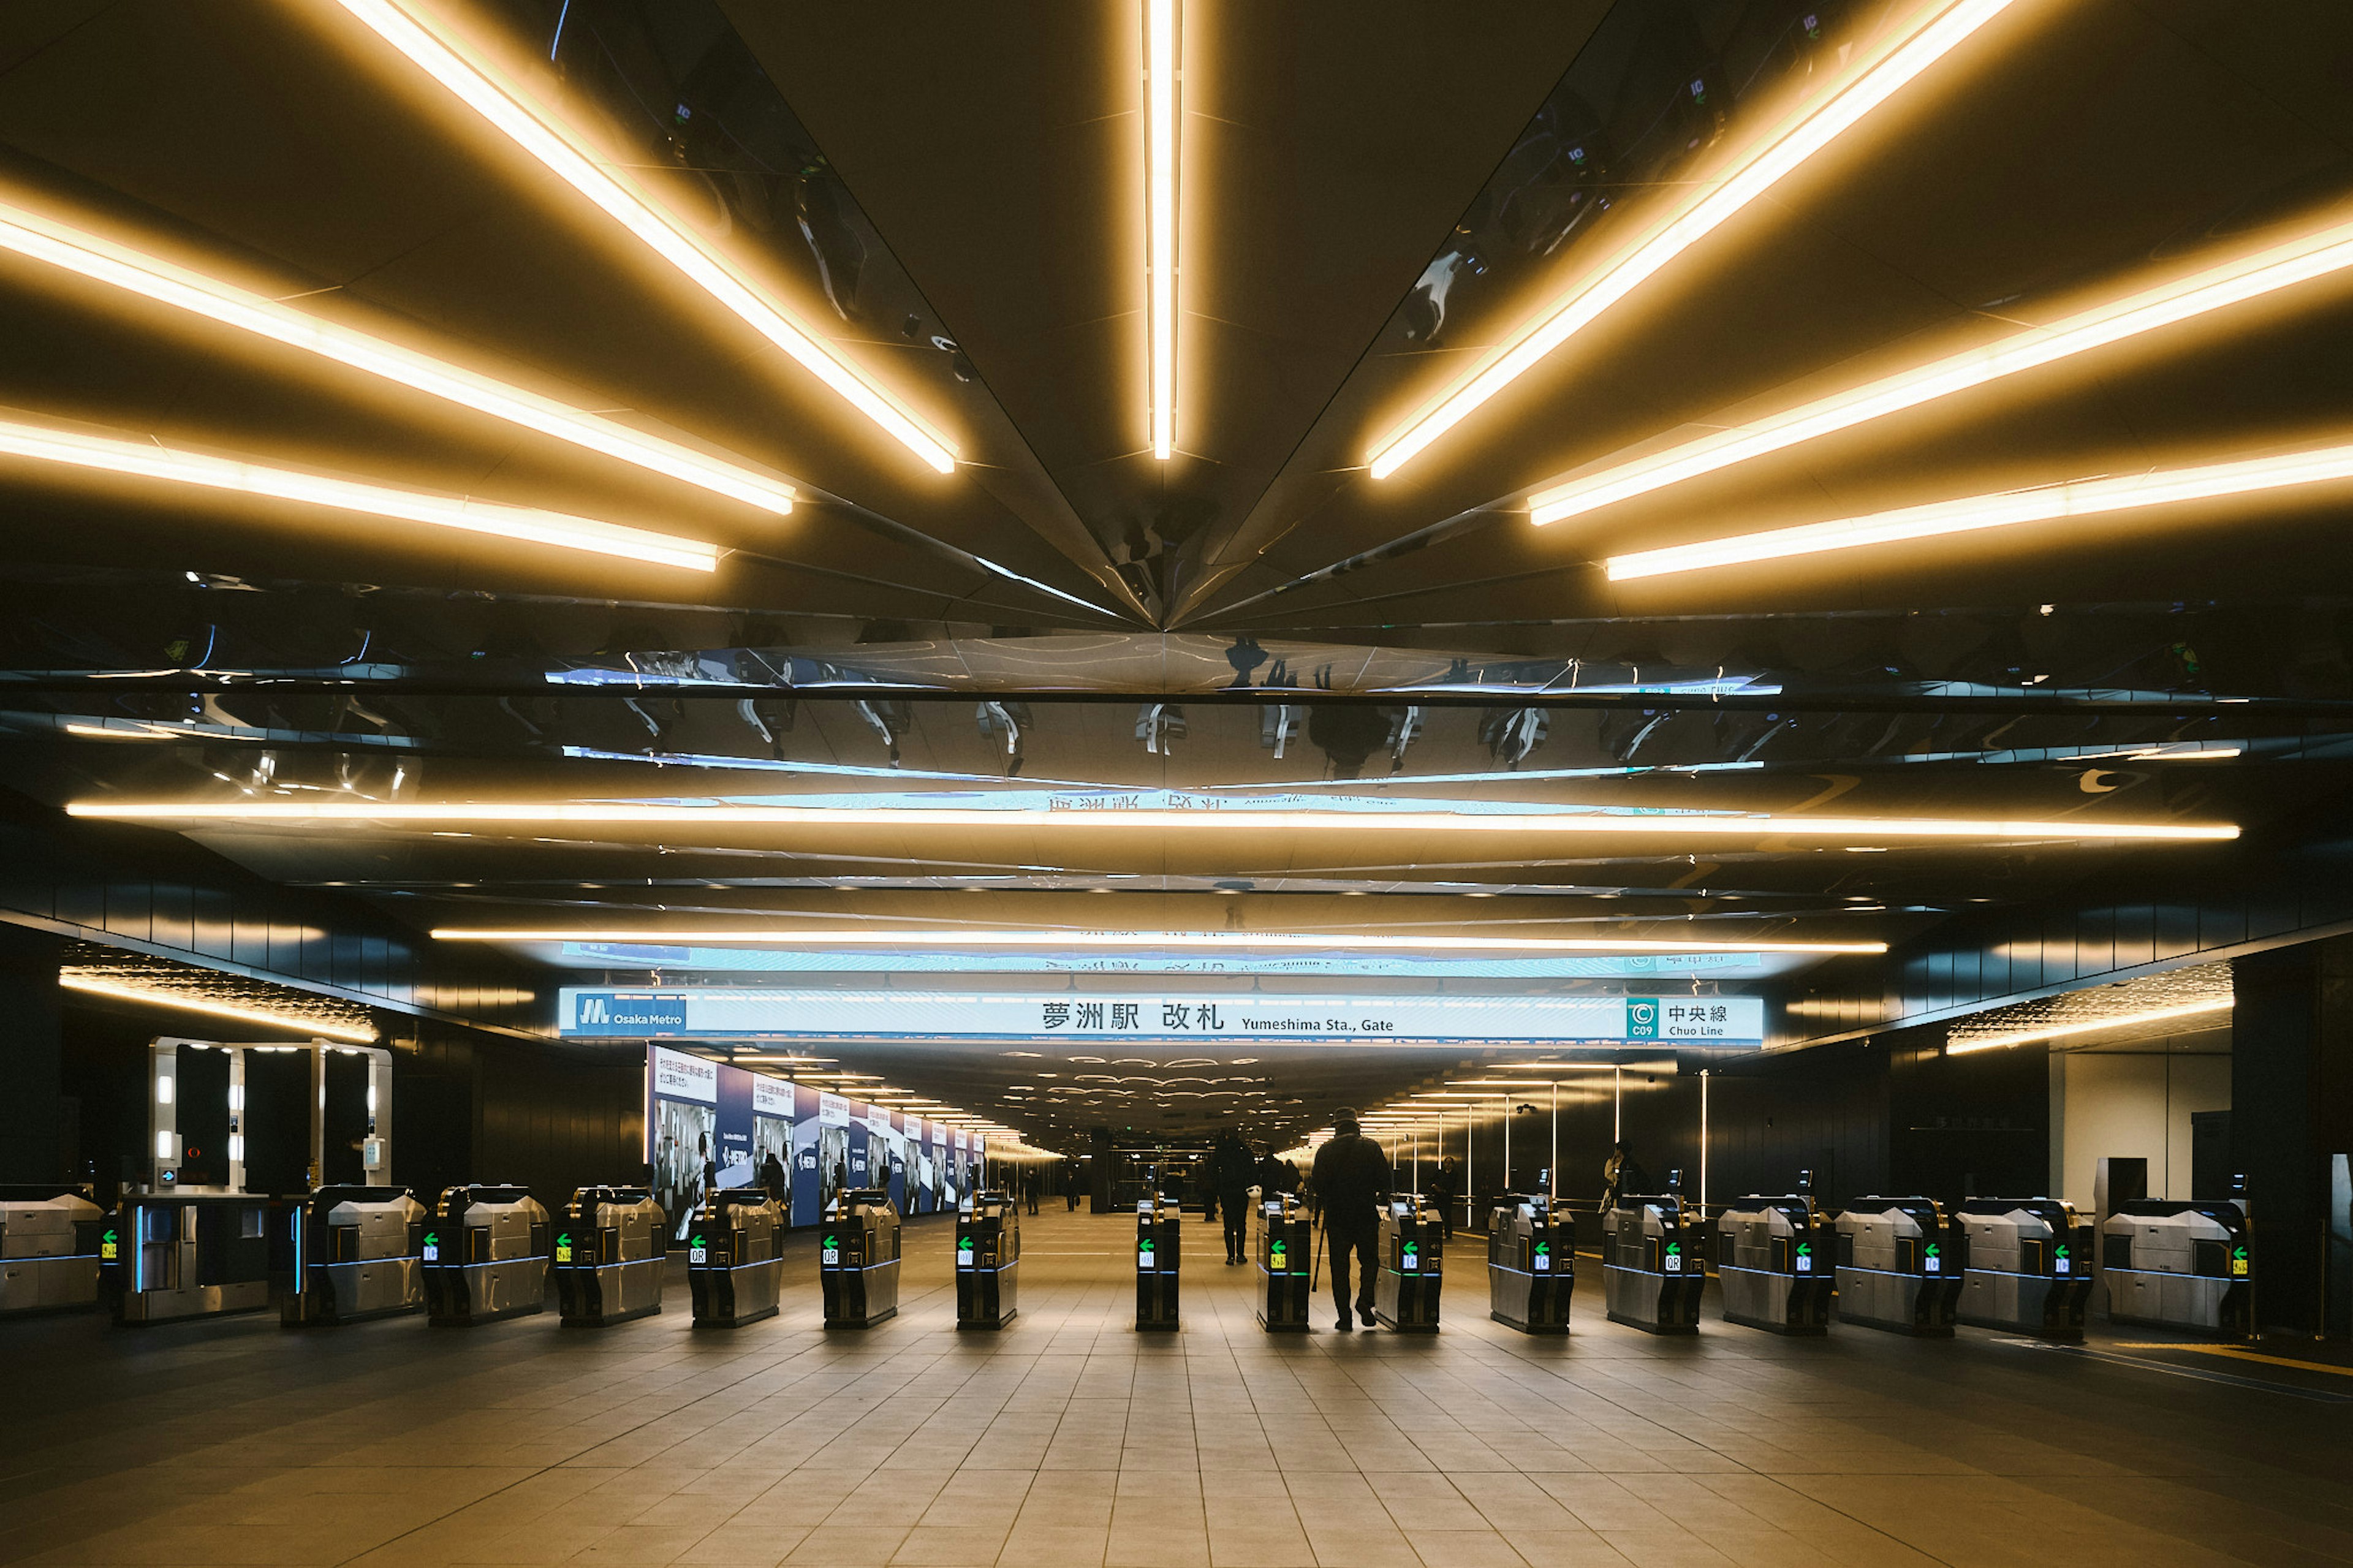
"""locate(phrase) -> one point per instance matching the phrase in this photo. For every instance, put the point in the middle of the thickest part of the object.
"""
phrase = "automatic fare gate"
(610, 1251)
(1652, 1272)
(485, 1256)
(358, 1254)
(1773, 1264)
(1281, 1238)
(858, 1258)
(1898, 1266)
(734, 1268)
(2028, 1266)
(1159, 1253)
(1531, 1264)
(1411, 1266)
(987, 1260)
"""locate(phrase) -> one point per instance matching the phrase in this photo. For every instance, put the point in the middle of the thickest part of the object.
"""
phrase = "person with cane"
(1350, 1182)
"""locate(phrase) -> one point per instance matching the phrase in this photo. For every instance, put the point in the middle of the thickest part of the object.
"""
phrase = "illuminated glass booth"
(609, 1255)
(1531, 1264)
(1899, 1266)
(987, 1260)
(734, 1267)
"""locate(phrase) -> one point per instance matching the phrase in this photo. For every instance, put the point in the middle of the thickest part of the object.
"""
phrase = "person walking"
(1232, 1170)
(1622, 1176)
(1350, 1181)
(1445, 1185)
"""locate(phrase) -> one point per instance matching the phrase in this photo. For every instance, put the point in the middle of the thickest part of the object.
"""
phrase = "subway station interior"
(1161, 783)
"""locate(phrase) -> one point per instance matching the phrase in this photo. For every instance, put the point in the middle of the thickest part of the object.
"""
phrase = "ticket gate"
(1899, 1266)
(358, 1254)
(1281, 1237)
(1773, 1264)
(1531, 1263)
(610, 1251)
(485, 1255)
(1651, 1270)
(734, 1267)
(186, 1255)
(2028, 1267)
(1411, 1266)
(48, 1248)
(858, 1258)
(1159, 1253)
(987, 1260)
(2182, 1265)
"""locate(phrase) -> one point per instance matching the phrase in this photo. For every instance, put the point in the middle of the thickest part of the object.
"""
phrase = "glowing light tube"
(1932, 33)
(2267, 271)
(141, 459)
(2081, 498)
(1160, 73)
(541, 131)
(42, 238)
(2061, 1031)
(291, 1022)
(775, 937)
(627, 814)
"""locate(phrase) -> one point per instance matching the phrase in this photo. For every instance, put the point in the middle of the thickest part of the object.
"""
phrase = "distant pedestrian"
(1622, 1176)
(1445, 1185)
(1232, 1170)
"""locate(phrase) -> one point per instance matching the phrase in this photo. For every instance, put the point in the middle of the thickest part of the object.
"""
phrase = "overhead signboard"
(1341, 964)
(780, 1014)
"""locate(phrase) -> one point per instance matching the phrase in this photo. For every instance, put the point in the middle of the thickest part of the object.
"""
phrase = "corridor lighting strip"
(627, 814)
(2061, 1031)
(2266, 271)
(2079, 497)
(1216, 941)
(1930, 33)
(358, 1035)
(541, 131)
(43, 239)
(1161, 65)
(145, 459)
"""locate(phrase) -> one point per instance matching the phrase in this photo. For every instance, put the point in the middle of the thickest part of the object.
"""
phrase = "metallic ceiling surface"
(1372, 200)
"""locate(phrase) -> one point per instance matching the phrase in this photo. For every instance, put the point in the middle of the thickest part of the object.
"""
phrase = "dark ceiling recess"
(953, 210)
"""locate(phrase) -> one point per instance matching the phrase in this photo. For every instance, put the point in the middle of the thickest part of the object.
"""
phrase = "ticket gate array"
(1159, 1254)
(48, 1248)
(485, 1254)
(1411, 1266)
(1773, 1264)
(2181, 1265)
(2028, 1267)
(1899, 1266)
(734, 1267)
(1531, 1264)
(858, 1258)
(987, 1260)
(1281, 1237)
(1652, 1269)
(610, 1251)
(358, 1254)
(186, 1255)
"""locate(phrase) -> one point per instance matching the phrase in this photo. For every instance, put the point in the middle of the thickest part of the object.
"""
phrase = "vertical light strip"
(1930, 33)
(541, 132)
(1160, 72)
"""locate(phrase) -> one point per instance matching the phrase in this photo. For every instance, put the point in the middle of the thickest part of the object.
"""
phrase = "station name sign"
(781, 1013)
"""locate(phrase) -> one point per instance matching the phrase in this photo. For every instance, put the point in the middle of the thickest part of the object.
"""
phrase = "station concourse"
(1161, 783)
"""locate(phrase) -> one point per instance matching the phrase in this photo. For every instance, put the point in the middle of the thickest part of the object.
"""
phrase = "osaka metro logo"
(594, 1010)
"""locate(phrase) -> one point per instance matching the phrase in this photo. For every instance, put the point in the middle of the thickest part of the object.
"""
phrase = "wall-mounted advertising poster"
(710, 1124)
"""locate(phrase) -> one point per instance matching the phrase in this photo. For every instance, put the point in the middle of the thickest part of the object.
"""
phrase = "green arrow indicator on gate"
(432, 1239)
(696, 1242)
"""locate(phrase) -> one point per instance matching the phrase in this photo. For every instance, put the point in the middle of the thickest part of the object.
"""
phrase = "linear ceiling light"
(772, 937)
(1910, 47)
(2060, 1031)
(156, 996)
(2080, 498)
(1161, 79)
(145, 459)
(541, 131)
(43, 239)
(2265, 272)
(606, 813)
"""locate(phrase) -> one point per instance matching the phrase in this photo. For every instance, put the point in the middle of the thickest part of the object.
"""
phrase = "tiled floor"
(1069, 1438)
